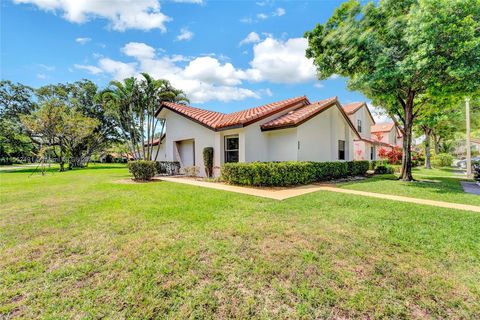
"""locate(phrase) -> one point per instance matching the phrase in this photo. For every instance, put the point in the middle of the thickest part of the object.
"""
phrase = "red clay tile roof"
(300, 115)
(382, 127)
(351, 108)
(217, 120)
(373, 141)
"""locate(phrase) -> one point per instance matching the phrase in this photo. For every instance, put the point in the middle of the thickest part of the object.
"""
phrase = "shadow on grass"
(390, 183)
(55, 168)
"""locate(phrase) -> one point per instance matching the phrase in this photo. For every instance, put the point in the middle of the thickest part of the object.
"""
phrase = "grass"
(436, 184)
(81, 245)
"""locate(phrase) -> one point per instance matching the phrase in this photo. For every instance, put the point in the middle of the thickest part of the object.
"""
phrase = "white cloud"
(262, 16)
(42, 76)
(83, 41)
(252, 37)
(185, 35)
(247, 20)
(118, 69)
(46, 67)
(90, 69)
(121, 14)
(207, 78)
(318, 85)
(279, 12)
(282, 61)
(189, 1)
(208, 69)
(138, 50)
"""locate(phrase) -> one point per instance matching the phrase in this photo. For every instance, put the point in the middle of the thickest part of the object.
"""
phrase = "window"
(372, 153)
(359, 125)
(341, 149)
(231, 149)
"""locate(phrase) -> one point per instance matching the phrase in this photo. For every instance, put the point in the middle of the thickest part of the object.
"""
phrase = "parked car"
(463, 163)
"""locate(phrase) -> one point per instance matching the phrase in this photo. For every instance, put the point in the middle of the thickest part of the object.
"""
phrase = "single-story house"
(289, 130)
(366, 147)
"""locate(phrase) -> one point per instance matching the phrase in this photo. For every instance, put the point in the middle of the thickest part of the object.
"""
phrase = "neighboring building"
(387, 132)
(290, 130)
(367, 146)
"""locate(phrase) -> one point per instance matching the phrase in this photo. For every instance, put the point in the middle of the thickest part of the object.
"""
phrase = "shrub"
(376, 163)
(168, 167)
(357, 168)
(393, 156)
(442, 160)
(142, 170)
(384, 169)
(208, 161)
(289, 172)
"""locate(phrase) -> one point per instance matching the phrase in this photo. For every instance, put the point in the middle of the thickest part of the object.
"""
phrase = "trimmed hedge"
(384, 169)
(168, 167)
(142, 170)
(289, 172)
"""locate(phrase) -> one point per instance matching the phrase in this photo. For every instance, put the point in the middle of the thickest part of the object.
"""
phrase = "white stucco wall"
(318, 138)
(282, 145)
(179, 128)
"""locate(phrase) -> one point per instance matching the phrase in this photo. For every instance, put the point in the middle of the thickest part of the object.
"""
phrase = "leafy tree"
(134, 103)
(15, 100)
(80, 96)
(58, 128)
(395, 52)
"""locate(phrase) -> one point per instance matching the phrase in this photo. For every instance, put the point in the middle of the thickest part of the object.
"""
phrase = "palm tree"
(134, 104)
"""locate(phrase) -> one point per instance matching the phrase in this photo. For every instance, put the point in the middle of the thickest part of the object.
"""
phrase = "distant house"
(289, 130)
(387, 132)
(373, 136)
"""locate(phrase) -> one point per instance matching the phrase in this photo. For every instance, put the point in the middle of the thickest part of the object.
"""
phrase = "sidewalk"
(282, 194)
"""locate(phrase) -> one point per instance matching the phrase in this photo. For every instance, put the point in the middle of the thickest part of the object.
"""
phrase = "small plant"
(443, 160)
(142, 170)
(384, 169)
(208, 161)
(393, 156)
(170, 168)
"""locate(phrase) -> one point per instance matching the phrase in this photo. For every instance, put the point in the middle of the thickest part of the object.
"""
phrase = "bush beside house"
(289, 172)
(170, 168)
(142, 170)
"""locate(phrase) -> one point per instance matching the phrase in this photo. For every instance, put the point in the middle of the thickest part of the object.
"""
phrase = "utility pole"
(469, 150)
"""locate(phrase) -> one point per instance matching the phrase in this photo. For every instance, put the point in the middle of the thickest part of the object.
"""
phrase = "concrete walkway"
(282, 194)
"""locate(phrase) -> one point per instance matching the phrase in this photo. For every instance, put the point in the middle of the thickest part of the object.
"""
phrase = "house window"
(231, 149)
(341, 149)
(372, 153)
(359, 125)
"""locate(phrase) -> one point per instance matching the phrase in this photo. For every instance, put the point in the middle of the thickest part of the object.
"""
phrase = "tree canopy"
(397, 53)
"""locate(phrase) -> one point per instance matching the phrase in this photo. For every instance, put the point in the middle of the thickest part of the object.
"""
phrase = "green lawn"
(80, 245)
(436, 184)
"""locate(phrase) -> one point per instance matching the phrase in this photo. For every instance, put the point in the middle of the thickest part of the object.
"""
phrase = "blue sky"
(227, 55)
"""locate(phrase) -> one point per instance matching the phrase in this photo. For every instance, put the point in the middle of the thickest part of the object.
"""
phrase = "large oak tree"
(395, 52)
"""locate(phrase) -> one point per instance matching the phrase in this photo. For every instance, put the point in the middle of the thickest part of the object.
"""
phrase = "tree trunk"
(62, 163)
(427, 148)
(406, 172)
(436, 143)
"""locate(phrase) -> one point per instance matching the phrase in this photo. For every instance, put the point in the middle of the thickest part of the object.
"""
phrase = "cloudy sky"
(226, 55)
